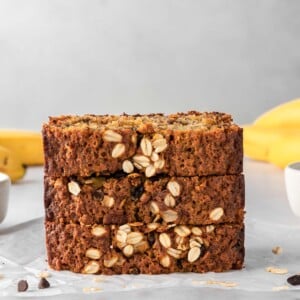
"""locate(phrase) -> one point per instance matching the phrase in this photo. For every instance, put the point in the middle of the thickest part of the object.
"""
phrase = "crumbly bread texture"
(148, 249)
(135, 198)
(182, 144)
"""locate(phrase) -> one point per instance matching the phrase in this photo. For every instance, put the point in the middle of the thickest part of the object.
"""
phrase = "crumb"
(277, 250)
(275, 270)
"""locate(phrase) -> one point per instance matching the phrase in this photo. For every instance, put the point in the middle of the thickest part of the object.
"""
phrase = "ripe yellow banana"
(11, 165)
(285, 115)
(285, 151)
(27, 145)
(279, 146)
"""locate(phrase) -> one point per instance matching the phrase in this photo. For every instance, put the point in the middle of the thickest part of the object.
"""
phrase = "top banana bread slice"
(182, 144)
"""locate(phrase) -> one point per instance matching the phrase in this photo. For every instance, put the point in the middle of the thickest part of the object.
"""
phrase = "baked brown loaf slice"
(183, 144)
(144, 249)
(177, 200)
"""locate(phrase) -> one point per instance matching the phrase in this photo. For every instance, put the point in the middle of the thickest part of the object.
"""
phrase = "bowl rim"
(4, 177)
(294, 166)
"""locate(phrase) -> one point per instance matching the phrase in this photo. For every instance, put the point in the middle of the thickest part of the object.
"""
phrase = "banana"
(279, 146)
(11, 165)
(285, 151)
(285, 115)
(255, 152)
(27, 145)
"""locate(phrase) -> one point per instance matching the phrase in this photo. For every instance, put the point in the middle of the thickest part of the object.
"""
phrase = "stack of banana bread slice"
(144, 194)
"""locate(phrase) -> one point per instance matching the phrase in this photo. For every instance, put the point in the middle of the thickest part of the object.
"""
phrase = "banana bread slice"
(149, 249)
(182, 144)
(135, 198)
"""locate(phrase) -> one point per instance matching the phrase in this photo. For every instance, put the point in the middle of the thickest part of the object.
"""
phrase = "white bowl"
(4, 194)
(292, 184)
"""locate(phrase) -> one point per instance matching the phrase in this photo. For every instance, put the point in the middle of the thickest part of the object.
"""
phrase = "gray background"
(78, 56)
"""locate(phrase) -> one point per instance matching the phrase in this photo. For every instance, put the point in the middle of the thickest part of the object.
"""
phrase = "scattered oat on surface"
(216, 282)
(275, 270)
(91, 289)
(98, 278)
(280, 288)
(43, 274)
(277, 250)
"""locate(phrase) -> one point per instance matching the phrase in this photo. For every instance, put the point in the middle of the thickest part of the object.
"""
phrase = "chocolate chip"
(294, 280)
(134, 271)
(151, 238)
(179, 264)
(98, 194)
(136, 192)
(119, 174)
(44, 283)
(22, 286)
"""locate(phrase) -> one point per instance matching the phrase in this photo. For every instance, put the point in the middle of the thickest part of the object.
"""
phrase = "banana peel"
(286, 115)
(26, 145)
(11, 165)
(284, 151)
(275, 135)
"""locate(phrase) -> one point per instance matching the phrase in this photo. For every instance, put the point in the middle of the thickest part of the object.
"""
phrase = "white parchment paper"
(22, 256)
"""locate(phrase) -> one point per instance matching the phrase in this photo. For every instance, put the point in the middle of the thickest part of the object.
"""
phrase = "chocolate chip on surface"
(44, 283)
(22, 286)
(294, 280)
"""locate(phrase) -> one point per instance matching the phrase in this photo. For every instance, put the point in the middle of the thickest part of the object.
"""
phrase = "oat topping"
(174, 188)
(216, 214)
(169, 216)
(134, 237)
(112, 136)
(194, 254)
(146, 146)
(109, 263)
(93, 253)
(165, 261)
(169, 201)
(165, 240)
(98, 230)
(118, 150)
(127, 166)
(196, 231)
(74, 188)
(91, 268)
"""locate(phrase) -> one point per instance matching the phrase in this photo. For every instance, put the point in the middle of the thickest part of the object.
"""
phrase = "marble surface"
(269, 221)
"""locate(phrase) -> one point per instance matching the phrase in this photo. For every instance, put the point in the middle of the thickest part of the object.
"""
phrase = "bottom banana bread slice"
(137, 248)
